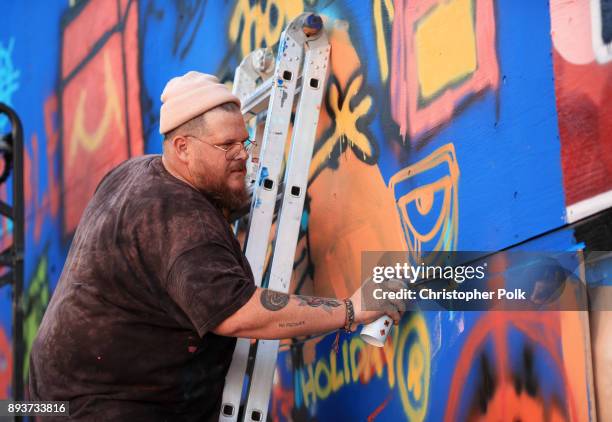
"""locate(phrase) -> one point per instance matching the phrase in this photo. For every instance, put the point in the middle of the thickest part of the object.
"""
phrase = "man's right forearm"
(274, 315)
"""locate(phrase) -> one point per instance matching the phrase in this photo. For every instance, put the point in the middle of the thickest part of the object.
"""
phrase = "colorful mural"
(447, 125)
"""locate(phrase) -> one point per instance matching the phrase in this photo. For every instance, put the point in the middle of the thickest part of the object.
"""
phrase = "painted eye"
(427, 200)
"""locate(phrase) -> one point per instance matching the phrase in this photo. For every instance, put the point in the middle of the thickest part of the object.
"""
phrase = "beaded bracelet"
(350, 316)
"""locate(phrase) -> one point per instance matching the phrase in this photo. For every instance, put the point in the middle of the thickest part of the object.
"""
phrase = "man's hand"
(373, 309)
(274, 315)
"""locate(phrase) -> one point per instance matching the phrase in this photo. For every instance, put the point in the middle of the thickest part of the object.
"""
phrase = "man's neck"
(175, 173)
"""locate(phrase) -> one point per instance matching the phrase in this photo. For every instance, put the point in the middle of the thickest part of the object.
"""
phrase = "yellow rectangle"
(445, 43)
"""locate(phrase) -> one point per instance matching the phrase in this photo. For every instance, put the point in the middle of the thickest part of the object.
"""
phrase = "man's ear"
(179, 146)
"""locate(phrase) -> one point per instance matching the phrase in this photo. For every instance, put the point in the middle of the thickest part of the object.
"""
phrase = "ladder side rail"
(294, 193)
(282, 95)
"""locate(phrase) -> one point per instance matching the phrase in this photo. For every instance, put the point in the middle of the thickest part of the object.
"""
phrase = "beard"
(227, 198)
(221, 194)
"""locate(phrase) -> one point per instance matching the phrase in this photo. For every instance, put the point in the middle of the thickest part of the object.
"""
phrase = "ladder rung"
(241, 212)
(257, 102)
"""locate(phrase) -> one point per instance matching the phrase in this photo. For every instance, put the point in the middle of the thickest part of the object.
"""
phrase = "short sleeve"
(209, 284)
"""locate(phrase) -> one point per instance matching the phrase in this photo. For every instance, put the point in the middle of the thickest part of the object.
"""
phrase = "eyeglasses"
(231, 150)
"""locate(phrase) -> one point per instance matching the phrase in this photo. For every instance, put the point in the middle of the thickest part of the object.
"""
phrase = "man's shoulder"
(121, 171)
(141, 163)
(150, 197)
(144, 184)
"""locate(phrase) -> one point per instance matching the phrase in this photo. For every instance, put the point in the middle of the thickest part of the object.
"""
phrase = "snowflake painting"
(9, 78)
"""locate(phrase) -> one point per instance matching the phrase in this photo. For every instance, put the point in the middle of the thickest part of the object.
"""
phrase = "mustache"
(238, 166)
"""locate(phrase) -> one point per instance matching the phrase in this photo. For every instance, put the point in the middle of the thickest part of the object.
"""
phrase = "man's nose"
(242, 155)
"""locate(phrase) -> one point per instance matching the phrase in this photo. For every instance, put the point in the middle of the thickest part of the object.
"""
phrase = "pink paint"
(412, 118)
(570, 29)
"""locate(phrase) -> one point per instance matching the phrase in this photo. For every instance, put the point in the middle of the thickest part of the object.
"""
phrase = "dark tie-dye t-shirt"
(152, 269)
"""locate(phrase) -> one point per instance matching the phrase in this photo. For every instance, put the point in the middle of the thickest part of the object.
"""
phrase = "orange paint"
(351, 211)
(542, 328)
(50, 113)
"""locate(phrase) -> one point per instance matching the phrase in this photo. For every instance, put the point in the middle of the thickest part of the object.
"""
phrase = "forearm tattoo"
(316, 302)
(274, 301)
(291, 324)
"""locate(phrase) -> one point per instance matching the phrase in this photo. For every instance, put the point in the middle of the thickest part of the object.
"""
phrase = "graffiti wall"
(447, 125)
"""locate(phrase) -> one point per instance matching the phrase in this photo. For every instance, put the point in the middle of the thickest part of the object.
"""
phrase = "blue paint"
(9, 78)
(304, 221)
(263, 175)
(283, 46)
(498, 156)
(313, 22)
(297, 388)
(577, 247)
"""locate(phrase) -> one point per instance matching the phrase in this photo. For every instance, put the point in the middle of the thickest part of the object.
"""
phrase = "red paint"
(83, 167)
(6, 237)
(39, 204)
(283, 401)
(32, 182)
(6, 365)
(101, 119)
(95, 19)
(35, 178)
(379, 409)
(585, 127)
(130, 40)
(51, 131)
